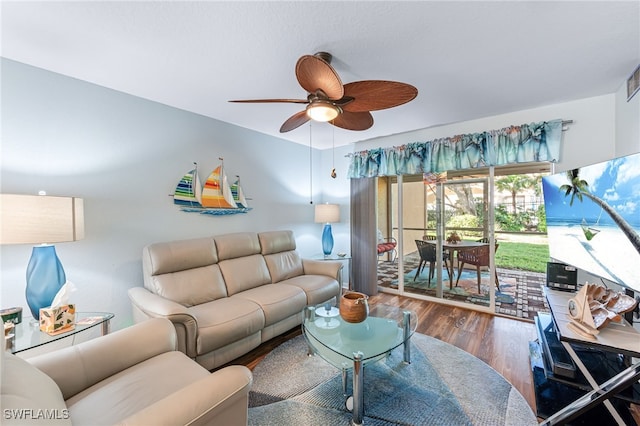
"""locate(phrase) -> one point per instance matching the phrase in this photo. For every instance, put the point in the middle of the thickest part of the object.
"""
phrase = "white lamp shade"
(35, 219)
(327, 213)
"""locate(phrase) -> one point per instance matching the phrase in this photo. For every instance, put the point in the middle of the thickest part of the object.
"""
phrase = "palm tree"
(579, 188)
(514, 184)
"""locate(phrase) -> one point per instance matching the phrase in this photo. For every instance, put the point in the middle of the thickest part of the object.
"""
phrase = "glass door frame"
(488, 229)
(440, 232)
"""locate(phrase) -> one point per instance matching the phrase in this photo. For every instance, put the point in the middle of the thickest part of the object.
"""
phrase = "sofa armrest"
(220, 398)
(153, 306)
(79, 367)
(322, 267)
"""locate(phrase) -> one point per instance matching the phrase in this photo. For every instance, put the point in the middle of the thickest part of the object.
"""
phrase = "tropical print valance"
(515, 144)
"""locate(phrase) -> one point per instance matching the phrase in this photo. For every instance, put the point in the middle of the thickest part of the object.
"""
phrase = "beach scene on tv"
(593, 219)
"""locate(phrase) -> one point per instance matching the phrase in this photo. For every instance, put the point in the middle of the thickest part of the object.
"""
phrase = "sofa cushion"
(184, 271)
(231, 246)
(29, 396)
(278, 301)
(225, 321)
(124, 394)
(276, 241)
(318, 288)
(244, 273)
(172, 256)
(192, 286)
(284, 265)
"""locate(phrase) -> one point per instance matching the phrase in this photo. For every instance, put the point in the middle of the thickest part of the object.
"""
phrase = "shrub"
(464, 221)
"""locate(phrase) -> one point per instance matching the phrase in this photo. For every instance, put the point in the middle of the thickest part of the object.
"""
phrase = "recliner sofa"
(229, 293)
(134, 376)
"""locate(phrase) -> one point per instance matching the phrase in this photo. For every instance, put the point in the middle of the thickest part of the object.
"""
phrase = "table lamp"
(327, 214)
(42, 220)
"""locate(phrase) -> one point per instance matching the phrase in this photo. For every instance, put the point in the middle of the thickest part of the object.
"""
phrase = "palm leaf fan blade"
(353, 120)
(315, 74)
(295, 121)
(374, 95)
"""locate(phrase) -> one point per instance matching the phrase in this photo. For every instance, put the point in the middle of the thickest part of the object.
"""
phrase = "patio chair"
(388, 246)
(478, 256)
(427, 253)
(445, 252)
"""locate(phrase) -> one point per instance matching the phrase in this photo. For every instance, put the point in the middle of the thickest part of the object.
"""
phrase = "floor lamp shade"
(39, 219)
(327, 214)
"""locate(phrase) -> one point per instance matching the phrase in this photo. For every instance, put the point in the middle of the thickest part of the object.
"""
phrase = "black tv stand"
(578, 380)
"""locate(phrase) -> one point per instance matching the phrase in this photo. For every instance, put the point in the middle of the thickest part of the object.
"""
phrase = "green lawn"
(522, 256)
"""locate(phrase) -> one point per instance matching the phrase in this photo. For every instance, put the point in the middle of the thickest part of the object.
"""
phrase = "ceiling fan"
(346, 106)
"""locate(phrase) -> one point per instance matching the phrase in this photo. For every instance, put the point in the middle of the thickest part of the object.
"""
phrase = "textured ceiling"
(467, 59)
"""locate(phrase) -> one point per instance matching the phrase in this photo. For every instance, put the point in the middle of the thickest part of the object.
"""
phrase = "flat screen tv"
(593, 219)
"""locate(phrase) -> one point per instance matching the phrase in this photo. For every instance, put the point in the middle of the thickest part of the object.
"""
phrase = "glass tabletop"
(27, 334)
(336, 340)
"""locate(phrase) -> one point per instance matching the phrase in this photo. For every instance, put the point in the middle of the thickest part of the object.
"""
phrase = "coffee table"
(351, 346)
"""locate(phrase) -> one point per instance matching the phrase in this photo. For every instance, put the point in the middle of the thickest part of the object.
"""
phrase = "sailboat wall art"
(215, 197)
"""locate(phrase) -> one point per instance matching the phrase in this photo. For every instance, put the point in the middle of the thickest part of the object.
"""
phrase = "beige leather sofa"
(229, 293)
(134, 376)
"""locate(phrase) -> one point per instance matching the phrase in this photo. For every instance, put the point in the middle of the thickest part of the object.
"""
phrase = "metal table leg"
(106, 327)
(592, 382)
(406, 327)
(358, 396)
(344, 381)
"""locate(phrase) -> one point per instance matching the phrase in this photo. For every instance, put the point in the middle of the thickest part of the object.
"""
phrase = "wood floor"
(503, 343)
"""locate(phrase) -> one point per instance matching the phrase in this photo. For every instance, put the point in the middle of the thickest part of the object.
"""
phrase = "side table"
(27, 334)
(335, 257)
(620, 340)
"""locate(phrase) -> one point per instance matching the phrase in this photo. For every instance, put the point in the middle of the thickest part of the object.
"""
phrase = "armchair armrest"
(151, 305)
(322, 267)
(79, 367)
(221, 396)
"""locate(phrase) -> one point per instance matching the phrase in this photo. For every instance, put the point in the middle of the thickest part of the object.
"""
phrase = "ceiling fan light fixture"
(322, 111)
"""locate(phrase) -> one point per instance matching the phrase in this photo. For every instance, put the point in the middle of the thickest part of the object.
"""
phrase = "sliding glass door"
(490, 210)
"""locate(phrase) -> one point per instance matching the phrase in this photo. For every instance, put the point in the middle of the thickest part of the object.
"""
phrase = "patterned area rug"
(466, 287)
(520, 293)
(443, 385)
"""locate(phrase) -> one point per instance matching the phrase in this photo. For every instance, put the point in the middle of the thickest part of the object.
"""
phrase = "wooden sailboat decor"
(216, 197)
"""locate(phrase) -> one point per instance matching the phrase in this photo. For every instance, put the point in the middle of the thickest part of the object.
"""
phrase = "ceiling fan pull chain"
(310, 168)
(333, 151)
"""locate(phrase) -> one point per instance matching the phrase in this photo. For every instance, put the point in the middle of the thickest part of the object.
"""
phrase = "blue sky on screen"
(616, 181)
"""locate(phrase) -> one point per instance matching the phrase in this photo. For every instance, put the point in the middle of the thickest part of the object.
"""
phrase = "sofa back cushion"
(184, 271)
(241, 264)
(279, 251)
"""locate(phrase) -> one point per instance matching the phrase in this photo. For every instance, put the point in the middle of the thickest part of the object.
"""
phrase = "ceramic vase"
(354, 307)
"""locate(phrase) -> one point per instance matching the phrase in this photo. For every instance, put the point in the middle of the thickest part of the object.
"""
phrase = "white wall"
(627, 122)
(124, 156)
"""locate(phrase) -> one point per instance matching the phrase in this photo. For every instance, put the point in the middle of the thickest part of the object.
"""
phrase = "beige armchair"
(134, 376)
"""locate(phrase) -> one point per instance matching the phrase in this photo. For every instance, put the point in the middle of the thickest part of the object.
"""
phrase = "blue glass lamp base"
(327, 240)
(45, 277)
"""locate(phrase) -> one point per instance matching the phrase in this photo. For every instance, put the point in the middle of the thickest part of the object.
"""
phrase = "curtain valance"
(515, 144)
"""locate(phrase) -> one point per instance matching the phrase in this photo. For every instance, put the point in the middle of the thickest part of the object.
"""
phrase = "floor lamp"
(327, 214)
(42, 220)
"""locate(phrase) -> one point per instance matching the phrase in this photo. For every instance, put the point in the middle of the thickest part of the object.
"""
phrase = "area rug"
(520, 292)
(443, 385)
(467, 287)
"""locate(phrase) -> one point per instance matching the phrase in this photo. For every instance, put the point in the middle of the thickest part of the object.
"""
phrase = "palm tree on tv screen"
(579, 188)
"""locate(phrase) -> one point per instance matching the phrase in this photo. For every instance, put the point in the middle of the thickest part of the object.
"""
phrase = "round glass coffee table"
(350, 346)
